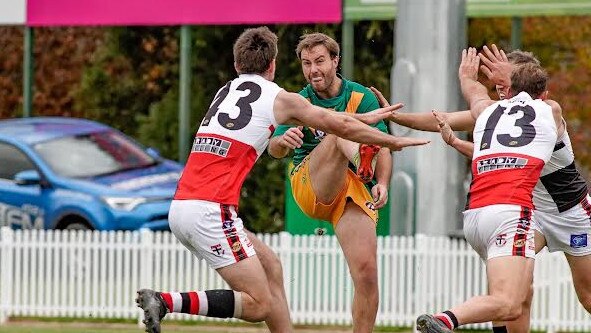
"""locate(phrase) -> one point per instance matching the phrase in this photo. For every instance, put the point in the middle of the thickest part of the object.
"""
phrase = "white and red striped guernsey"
(513, 139)
(233, 134)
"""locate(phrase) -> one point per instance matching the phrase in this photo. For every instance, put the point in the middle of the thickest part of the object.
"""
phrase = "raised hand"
(469, 65)
(496, 66)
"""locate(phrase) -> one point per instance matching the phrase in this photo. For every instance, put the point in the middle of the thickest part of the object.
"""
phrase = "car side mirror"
(27, 177)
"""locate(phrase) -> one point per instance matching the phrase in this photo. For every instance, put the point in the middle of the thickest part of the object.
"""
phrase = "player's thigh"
(580, 267)
(327, 169)
(267, 256)
(356, 233)
(247, 276)
(503, 281)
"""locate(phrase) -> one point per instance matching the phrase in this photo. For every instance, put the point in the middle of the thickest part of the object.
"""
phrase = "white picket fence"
(96, 274)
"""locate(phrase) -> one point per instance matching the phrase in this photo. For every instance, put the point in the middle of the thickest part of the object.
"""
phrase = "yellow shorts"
(354, 190)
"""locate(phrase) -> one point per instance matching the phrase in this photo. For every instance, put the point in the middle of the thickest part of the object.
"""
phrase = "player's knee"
(261, 310)
(510, 309)
(365, 274)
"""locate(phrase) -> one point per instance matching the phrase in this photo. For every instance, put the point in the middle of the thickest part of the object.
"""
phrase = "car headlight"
(123, 203)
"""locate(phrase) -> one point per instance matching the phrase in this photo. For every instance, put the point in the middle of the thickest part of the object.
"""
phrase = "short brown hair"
(254, 50)
(530, 78)
(518, 57)
(308, 41)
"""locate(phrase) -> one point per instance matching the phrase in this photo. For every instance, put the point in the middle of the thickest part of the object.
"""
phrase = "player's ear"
(236, 67)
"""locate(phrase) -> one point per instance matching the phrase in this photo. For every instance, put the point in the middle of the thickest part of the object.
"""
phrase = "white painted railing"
(96, 274)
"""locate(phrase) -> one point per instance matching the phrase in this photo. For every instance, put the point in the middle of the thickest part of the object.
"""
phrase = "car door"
(21, 206)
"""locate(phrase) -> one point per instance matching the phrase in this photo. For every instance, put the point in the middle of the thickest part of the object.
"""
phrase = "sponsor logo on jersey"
(216, 146)
(499, 163)
(519, 243)
(237, 246)
(578, 241)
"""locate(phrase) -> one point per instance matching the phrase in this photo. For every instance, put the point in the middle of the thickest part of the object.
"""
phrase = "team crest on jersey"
(578, 241)
(370, 205)
(318, 134)
(501, 240)
(217, 250)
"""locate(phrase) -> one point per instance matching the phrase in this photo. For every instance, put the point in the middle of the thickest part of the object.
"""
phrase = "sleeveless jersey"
(233, 134)
(561, 186)
(513, 139)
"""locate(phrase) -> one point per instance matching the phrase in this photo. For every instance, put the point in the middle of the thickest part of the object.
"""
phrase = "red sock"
(192, 302)
(448, 318)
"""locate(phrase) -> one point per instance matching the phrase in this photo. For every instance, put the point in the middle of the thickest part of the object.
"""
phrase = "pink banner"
(180, 12)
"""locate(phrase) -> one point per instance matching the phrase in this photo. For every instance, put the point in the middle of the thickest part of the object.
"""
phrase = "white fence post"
(146, 259)
(285, 252)
(6, 251)
(554, 299)
(421, 250)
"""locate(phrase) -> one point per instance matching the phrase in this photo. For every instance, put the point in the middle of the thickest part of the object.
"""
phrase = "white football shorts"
(568, 231)
(500, 230)
(211, 231)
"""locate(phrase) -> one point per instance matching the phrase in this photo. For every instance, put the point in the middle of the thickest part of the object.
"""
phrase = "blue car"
(68, 173)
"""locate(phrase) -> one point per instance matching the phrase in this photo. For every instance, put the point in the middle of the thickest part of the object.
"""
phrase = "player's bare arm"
(383, 174)
(474, 92)
(291, 108)
(464, 147)
(557, 114)
(424, 121)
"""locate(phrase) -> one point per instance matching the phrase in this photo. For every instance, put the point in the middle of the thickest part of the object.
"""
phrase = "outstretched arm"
(293, 108)
(424, 121)
(464, 147)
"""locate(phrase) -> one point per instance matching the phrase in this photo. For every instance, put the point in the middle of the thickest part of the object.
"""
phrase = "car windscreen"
(93, 154)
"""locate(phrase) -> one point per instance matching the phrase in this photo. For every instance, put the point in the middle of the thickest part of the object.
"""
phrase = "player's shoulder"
(368, 95)
(358, 87)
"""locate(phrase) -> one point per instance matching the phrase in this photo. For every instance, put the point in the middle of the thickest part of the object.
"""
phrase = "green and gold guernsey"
(353, 98)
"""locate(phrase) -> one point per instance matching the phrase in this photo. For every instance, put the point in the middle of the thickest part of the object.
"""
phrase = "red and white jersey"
(513, 139)
(233, 134)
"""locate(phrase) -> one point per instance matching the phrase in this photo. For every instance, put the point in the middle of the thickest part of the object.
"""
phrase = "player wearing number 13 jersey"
(203, 215)
(513, 139)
